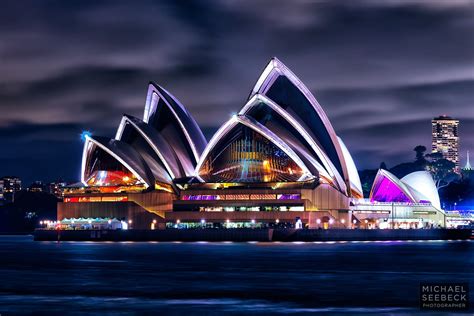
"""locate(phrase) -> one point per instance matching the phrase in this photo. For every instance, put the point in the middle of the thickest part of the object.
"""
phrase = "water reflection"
(351, 278)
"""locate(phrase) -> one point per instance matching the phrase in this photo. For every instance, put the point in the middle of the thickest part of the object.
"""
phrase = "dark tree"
(441, 169)
(420, 153)
(367, 177)
(27, 210)
(434, 156)
(460, 192)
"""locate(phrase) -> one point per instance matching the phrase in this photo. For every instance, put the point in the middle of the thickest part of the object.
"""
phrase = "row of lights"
(47, 222)
(51, 223)
(331, 221)
(203, 221)
(318, 221)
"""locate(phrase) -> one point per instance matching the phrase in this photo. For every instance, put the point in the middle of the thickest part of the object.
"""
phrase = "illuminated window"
(200, 197)
(114, 199)
(244, 155)
(237, 197)
(289, 196)
(102, 169)
(262, 196)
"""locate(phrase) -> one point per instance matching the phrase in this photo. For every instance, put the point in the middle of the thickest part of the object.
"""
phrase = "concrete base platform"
(249, 234)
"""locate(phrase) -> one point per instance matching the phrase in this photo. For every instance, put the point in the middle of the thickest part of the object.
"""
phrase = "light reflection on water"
(346, 278)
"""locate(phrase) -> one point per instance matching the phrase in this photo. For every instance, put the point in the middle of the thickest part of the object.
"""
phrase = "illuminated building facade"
(57, 188)
(445, 139)
(277, 162)
(11, 185)
(416, 187)
(37, 186)
(409, 202)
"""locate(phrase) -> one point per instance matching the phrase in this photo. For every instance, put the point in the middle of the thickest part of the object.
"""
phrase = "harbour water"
(127, 278)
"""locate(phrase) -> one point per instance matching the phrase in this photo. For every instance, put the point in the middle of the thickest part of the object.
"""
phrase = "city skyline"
(379, 86)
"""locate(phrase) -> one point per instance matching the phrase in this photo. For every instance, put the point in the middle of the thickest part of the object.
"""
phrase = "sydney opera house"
(277, 163)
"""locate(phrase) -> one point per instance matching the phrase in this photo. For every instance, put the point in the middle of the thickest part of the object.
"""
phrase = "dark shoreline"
(16, 233)
(244, 234)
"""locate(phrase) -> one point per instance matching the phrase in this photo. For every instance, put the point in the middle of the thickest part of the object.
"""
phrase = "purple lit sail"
(387, 191)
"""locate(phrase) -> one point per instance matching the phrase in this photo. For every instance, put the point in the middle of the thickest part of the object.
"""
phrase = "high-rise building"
(11, 185)
(36, 186)
(445, 139)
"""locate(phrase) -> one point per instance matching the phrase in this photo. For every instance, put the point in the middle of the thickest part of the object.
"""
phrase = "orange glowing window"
(237, 197)
(262, 196)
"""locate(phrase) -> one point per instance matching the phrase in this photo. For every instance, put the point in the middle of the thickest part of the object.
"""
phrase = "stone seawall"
(248, 234)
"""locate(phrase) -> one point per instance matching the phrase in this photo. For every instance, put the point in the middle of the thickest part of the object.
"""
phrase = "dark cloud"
(380, 69)
(46, 152)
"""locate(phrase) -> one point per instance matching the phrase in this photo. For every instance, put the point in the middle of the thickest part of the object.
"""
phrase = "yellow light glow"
(126, 179)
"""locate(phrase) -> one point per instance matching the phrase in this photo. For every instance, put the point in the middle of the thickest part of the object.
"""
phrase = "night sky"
(380, 69)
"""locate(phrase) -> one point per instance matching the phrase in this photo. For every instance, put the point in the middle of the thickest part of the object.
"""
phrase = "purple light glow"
(200, 197)
(387, 191)
(288, 196)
